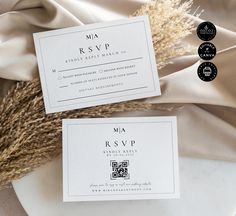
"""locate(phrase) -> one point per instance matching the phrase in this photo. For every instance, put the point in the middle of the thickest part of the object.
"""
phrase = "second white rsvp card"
(120, 159)
(96, 64)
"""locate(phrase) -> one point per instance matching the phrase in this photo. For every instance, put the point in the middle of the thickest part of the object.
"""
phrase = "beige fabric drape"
(206, 110)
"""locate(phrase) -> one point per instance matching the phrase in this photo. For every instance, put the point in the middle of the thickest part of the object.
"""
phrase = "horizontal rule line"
(103, 94)
(132, 59)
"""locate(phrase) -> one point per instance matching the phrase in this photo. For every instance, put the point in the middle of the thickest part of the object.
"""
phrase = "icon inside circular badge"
(207, 71)
(207, 51)
(206, 31)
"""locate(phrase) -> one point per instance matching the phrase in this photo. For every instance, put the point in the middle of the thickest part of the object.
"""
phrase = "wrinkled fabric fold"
(206, 121)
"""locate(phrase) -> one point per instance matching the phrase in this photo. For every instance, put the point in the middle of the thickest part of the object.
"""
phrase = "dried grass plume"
(30, 138)
(169, 25)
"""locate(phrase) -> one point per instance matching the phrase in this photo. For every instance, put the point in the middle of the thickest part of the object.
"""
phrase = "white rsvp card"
(120, 159)
(96, 64)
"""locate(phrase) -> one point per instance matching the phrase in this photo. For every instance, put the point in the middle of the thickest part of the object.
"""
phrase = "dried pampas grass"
(30, 138)
(169, 25)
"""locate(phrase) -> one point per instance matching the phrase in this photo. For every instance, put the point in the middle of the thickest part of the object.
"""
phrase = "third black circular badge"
(207, 71)
(206, 31)
(207, 51)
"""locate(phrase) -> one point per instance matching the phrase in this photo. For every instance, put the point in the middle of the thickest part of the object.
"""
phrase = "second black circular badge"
(207, 51)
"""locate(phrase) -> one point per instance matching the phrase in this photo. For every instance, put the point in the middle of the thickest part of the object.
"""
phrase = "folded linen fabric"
(206, 112)
(29, 137)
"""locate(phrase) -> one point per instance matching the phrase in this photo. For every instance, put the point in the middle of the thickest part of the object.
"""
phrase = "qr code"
(119, 169)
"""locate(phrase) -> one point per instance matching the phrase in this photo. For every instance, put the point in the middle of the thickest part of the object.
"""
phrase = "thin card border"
(173, 145)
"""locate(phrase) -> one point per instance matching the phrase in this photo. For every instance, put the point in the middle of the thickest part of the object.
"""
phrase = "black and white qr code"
(119, 169)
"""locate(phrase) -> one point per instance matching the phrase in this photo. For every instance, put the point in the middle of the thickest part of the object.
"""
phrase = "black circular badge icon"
(207, 71)
(207, 51)
(206, 31)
